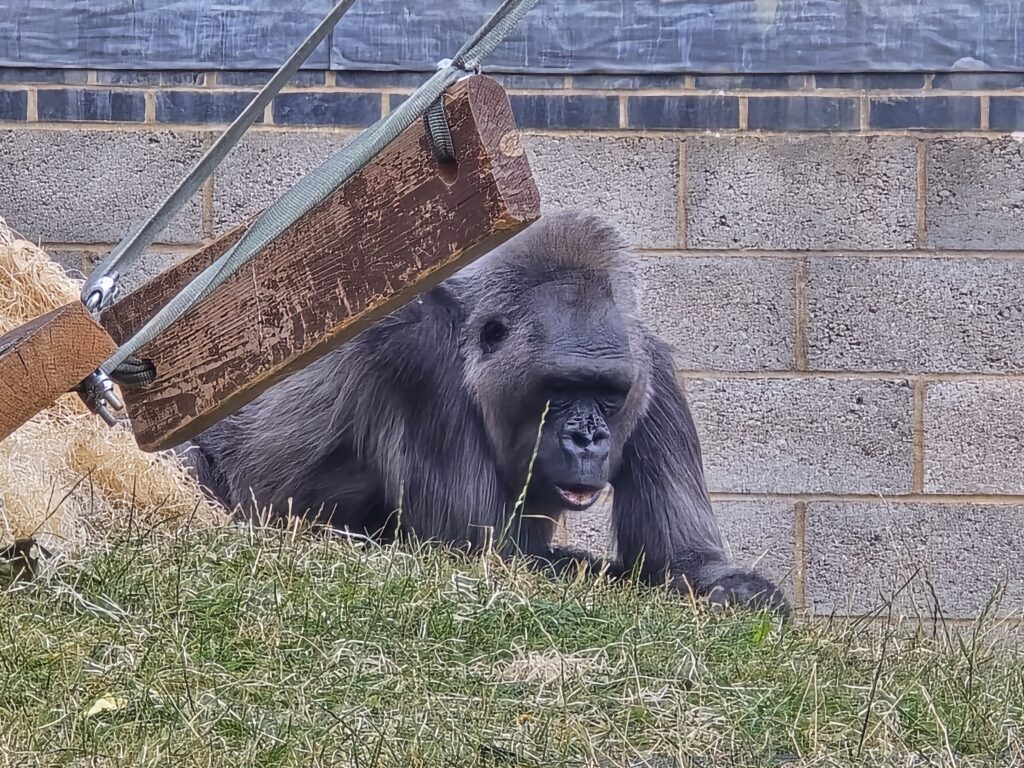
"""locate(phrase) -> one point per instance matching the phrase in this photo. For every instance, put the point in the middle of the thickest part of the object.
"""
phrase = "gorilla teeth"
(579, 498)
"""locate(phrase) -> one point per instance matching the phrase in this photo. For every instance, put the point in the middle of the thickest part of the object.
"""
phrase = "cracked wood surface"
(43, 359)
(395, 229)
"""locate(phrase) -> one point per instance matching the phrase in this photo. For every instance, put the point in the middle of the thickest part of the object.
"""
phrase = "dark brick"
(41, 75)
(557, 112)
(13, 105)
(91, 105)
(381, 79)
(681, 112)
(149, 77)
(627, 82)
(750, 82)
(971, 81)
(803, 113)
(201, 106)
(514, 81)
(395, 99)
(1006, 113)
(260, 77)
(354, 109)
(927, 112)
(879, 81)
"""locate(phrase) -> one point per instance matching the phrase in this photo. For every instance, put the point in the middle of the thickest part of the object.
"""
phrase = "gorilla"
(517, 389)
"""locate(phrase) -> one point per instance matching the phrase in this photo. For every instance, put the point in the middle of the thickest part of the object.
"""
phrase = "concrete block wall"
(838, 260)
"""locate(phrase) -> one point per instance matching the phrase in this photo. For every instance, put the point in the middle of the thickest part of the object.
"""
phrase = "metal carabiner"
(105, 290)
(97, 392)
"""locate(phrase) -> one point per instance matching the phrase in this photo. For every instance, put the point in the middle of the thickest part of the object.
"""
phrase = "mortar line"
(682, 190)
(781, 255)
(207, 193)
(1005, 499)
(800, 321)
(718, 374)
(922, 194)
(85, 247)
(944, 254)
(865, 112)
(800, 555)
(150, 113)
(614, 133)
(985, 102)
(623, 111)
(994, 623)
(743, 108)
(917, 430)
(91, 77)
(32, 106)
(212, 80)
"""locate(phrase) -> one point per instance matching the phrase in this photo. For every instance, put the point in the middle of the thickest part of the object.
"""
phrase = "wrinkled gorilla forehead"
(580, 333)
(562, 331)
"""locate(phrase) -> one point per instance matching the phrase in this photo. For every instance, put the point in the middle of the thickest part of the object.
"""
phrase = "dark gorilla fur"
(430, 417)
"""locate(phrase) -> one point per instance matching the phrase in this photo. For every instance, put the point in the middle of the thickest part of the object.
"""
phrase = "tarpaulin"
(564, 36)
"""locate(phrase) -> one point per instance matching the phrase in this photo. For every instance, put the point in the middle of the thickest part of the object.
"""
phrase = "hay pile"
(66, 477)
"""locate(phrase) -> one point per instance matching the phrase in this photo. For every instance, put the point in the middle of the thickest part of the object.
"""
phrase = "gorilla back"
(526, 370)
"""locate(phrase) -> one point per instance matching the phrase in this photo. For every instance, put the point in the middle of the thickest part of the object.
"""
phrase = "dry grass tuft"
(65, 476)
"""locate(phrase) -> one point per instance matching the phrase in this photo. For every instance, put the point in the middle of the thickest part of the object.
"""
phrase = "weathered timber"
(45, 358)
(398, 227)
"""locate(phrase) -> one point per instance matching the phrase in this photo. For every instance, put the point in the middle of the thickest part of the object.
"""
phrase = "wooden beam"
(395, 229)
(45, 358)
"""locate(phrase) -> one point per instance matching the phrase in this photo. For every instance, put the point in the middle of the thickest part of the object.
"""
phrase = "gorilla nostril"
(580, 439)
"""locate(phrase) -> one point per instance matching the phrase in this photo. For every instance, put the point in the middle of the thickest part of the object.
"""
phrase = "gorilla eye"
(492, 334)
(611, 403)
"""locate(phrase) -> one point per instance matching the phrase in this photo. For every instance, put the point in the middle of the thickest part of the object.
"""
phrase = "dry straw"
(65, 476)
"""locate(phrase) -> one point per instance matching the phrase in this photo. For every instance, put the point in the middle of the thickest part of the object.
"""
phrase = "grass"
(235, 647)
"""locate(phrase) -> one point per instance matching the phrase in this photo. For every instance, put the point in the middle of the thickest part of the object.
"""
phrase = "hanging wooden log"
(45, 358)
(396, 228)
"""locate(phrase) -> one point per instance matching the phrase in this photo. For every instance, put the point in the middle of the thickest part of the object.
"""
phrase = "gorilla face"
(559, 343)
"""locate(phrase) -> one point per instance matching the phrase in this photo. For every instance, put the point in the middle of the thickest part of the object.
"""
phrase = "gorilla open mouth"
(578, 498)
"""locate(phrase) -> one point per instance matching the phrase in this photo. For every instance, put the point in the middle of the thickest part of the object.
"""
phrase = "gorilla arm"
(662, 514)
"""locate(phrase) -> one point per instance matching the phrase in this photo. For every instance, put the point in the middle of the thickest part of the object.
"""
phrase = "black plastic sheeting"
(567, 36)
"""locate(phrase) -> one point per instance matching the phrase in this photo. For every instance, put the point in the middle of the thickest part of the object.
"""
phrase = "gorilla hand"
(726, 585)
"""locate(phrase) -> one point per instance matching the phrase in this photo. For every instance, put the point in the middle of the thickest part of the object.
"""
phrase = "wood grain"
(396, 228)
(45, 358)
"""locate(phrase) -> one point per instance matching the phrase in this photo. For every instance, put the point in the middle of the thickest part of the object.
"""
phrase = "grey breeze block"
(804, 435)
(915, 315)
(974, 437)
(976, 194)
(630, 180)
(94, 186)
(862, 556)
(801, 192)
(724, 313)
